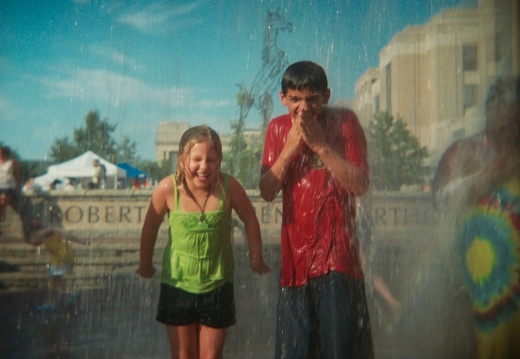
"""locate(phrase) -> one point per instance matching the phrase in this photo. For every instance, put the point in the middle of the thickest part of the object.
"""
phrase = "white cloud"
(116, 57)
(104, 85)
(162, 17)
(101, 85)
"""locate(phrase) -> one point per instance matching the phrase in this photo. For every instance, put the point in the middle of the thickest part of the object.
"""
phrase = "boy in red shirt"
(317, 156)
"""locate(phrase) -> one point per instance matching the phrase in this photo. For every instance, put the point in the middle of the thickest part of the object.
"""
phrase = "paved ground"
(117, 322)
(114, 318)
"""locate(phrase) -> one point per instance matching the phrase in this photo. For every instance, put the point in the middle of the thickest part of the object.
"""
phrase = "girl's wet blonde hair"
(190, 137)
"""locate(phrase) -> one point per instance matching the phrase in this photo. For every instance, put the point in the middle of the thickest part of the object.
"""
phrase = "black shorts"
(214, 309)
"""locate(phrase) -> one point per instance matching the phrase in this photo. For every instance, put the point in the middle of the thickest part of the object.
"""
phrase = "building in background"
(167, 141)
(169, 135)
(435, 76)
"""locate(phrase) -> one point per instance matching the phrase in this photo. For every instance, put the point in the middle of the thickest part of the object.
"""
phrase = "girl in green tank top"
(198, 259)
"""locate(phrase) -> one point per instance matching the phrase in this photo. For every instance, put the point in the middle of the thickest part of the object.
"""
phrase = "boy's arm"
(152, 222)
(243, 207)
(271, 181)
(348, 174)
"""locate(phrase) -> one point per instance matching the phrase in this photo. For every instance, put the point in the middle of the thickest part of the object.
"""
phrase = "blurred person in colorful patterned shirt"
(478, 178)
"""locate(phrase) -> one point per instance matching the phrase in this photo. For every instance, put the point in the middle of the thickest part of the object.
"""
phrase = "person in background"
(30, 186)
(478, 180)
(472, 166)
(70, 185)
(11, 226)
(10, 181)
(60, 288)
(99, 176)
(10, 178)
(197, 295)
(317, 157)
(365, 232)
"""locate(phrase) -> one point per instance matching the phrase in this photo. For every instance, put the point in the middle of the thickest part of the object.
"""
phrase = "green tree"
(127, 150)
(63, 149)
(395, 155)
(243, 160)
(237, 144)
(251, 162)
(153, 170)
(96, 136)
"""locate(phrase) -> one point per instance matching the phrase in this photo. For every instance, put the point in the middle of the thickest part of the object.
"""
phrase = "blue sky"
(139, 63)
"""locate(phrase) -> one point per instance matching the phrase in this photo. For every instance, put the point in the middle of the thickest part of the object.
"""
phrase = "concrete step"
(19, 281)
(24, 267)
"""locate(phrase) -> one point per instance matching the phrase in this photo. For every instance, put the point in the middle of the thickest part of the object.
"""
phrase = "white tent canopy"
(80, 167)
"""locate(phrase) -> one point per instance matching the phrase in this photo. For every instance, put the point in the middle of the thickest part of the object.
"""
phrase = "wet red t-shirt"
(318, 223)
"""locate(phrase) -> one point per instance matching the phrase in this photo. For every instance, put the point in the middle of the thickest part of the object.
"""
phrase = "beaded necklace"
(202, 208)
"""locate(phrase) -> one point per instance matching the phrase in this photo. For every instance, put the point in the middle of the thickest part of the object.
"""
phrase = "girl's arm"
(243, 207)
(152, 222)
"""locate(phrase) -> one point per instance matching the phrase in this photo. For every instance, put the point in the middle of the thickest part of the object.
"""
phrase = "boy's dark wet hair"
(304, 75)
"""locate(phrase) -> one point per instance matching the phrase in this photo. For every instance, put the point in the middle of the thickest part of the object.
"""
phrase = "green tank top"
(198, 257)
